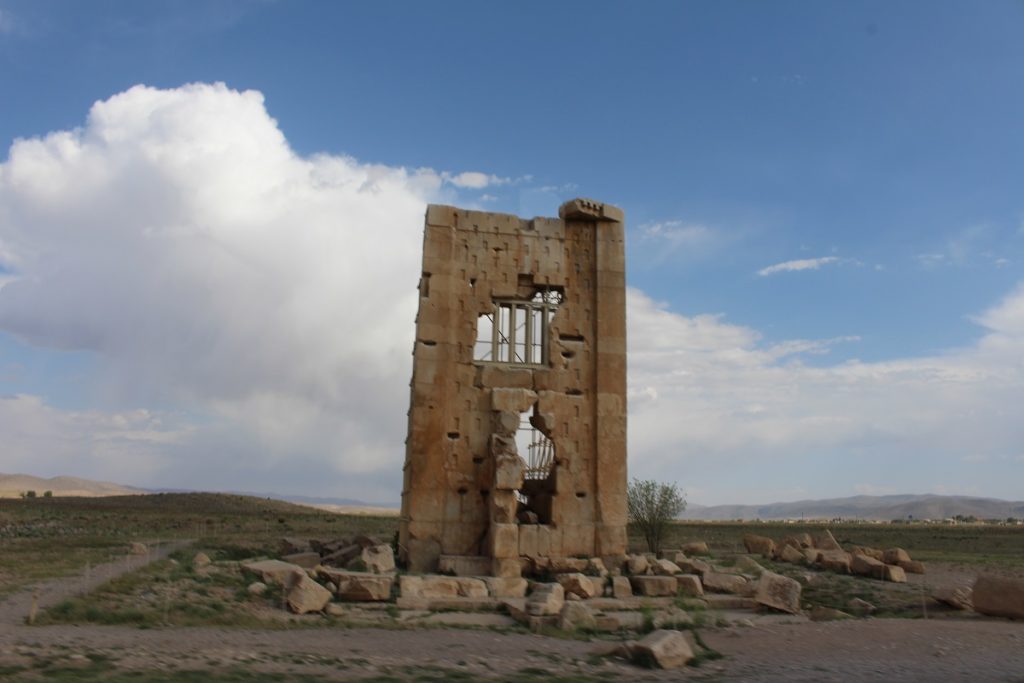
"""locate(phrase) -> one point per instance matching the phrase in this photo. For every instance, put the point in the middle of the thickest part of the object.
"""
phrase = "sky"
(211, 219)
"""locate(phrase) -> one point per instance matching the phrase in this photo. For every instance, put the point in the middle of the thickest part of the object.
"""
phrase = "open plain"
(102, 613)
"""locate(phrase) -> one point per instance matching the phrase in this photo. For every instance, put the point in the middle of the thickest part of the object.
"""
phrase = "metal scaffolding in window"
(517, 331)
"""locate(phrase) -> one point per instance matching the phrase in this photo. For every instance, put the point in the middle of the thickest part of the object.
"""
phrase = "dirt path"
(16, 607)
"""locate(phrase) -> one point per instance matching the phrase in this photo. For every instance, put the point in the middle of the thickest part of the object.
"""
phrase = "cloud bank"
(250, 312)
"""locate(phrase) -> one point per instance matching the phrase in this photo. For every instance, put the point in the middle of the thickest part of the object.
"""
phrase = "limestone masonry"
(516, 452)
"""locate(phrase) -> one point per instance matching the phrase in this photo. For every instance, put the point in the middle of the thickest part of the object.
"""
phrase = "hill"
(13, 485)
(882, 508)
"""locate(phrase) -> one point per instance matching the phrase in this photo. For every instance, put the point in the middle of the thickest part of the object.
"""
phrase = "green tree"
(30, 494)
(652, 506)
(47, 494)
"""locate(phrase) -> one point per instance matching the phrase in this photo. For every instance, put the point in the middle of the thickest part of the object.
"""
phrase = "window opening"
(516, 331)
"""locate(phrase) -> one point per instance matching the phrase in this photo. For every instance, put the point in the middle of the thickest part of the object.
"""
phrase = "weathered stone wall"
(461, 470)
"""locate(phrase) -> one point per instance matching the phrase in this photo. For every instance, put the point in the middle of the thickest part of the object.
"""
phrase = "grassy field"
(983, 545)
(48, 537)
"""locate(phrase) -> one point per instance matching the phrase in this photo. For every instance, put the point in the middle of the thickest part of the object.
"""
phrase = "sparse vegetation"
(652, 507)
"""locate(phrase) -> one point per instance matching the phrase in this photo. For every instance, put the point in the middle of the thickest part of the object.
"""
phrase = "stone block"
(719, 582)
(465, 565)
(503, 540)
(512, 400)
(653, 586)
(580, 584)
(528, 540)
(621, 587)
(689, 585)
(778, 592)
(663, 649)
(506, 587)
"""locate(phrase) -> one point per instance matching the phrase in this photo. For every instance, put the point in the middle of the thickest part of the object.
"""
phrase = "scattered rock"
(865, 565)
(778, 592)
(378, 559)
(576, 615)
(304, 560)
(837, 561)
(672, 618)
(546, 599)
(580, 584)
(595, 567)
(305, 595)
(958, 597)
(665, 568)
(690, 566)
(861, 607)
(138, 549)
(893, 573)
(637, 564)
(748, 565)
(718, 582)
(502, 587)
(790, 553)
(432, 586)
(759, 545)
(271, 571)
(257, 588)
(290, 545)
(826, 541)
(621, 588)
(912, 567)
(999, 596)
(697, 548)
(663, 649)
(201, 560)
(360, 586)
(820, 613)
(895, 556)
(653, 586)
(689, 585)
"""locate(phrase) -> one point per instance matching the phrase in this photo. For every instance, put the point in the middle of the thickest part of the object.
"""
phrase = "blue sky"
(825, 238)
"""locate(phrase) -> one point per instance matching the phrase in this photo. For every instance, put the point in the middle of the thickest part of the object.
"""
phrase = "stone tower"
(516, 451)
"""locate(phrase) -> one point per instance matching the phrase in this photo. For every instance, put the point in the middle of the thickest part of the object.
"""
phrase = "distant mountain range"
(882, 508)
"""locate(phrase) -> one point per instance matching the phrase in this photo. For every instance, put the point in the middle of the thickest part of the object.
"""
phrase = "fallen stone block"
(304, 560)
(999, 596)
(579, 584)
(546, 599)
(895, 556)
(791, 554)
(502, 587)
(837, 561)
(826, 541)
(663, 649)
(358, 586)
(696, 548)
(893, 573)
(957, 597)
(912, 567)
(621, 587)
(864, 565)
(576, 615)
(759, 545)
(304, 595)
(271, 571)
(748, 565)
(653, 586)
(665, 568)
(691, 566)
(433, 586)
(778, 592)
(637, 564)
(689, 585)
(719, 582)
(870, 552)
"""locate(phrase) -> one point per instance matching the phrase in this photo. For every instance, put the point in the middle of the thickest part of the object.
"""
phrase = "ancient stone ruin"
(516, 451)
